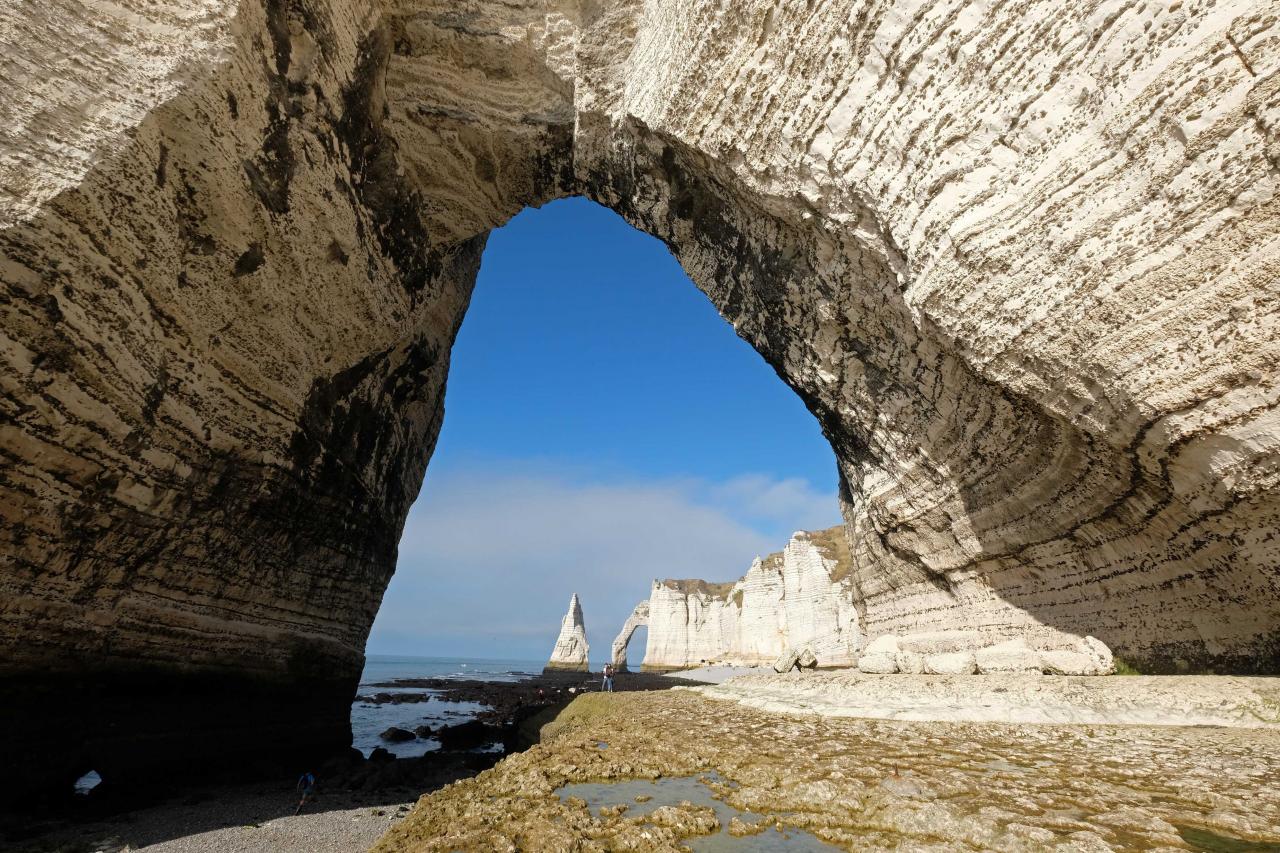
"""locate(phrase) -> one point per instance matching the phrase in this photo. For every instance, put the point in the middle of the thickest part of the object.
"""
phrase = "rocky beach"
(360, 796)
(865, 784)
(801, 761)
(508, 713)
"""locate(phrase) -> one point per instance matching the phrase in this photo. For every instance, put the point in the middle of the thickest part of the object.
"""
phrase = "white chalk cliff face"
(571, 650)
(799, 597)
(1020, 261)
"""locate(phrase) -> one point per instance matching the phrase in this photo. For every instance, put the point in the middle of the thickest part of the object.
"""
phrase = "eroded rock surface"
(866, 784)
(1020, 262)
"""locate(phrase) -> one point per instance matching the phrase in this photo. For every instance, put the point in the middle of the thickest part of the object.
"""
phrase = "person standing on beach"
(306, 784)
(607, 685)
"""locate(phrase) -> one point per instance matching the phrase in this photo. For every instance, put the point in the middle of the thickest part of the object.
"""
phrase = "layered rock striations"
(571, 650)
(1020, 262)
(800, 597)
(797, 608)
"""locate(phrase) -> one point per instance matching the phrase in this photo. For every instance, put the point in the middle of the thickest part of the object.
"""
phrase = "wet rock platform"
(864, 784)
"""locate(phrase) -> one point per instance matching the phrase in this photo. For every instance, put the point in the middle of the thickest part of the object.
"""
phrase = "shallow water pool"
(1211, 842)
(671, 792)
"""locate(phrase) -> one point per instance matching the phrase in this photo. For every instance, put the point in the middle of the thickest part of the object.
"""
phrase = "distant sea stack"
(570, 653)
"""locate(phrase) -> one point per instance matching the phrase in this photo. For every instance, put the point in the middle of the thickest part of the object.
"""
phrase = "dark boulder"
(395, 734)
(468, 735)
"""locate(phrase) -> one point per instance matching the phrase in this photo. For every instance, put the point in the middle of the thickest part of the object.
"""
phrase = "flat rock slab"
(716, 674)
(1154, 700)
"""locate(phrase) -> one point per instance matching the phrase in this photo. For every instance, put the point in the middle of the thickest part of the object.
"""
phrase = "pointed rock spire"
(571, 649)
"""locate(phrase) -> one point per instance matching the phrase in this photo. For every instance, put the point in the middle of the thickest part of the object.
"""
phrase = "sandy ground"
(719, 674)
(238, 819)
(1149, 700)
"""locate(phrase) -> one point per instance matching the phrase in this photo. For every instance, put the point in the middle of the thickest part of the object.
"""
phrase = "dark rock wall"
(224, 362)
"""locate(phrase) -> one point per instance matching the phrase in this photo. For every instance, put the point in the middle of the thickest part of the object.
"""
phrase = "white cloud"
(774, 501)
(490, 555)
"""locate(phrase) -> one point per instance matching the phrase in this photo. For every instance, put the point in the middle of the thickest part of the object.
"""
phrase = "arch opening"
(635, 648)
(603, 425)
(637, 621)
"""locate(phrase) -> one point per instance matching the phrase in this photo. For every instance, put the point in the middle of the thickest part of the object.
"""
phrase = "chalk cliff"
(1020, 261)
(571, 650)
(801, 596)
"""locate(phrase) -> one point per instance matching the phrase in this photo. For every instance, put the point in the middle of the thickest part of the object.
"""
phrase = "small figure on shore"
(606, 686)
(307, 785)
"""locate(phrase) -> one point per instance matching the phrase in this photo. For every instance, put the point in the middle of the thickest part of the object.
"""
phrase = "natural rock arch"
(639, 618)
(1020, 263)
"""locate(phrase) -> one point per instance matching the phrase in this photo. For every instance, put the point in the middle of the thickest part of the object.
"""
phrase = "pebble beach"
(239, 819)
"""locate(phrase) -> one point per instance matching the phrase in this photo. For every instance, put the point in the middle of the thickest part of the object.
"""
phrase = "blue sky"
(603, 427)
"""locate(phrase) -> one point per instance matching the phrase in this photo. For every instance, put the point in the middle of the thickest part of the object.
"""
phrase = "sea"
(369, 721)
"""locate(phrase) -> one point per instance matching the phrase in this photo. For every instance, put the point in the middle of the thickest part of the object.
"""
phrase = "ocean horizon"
(378, 668)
